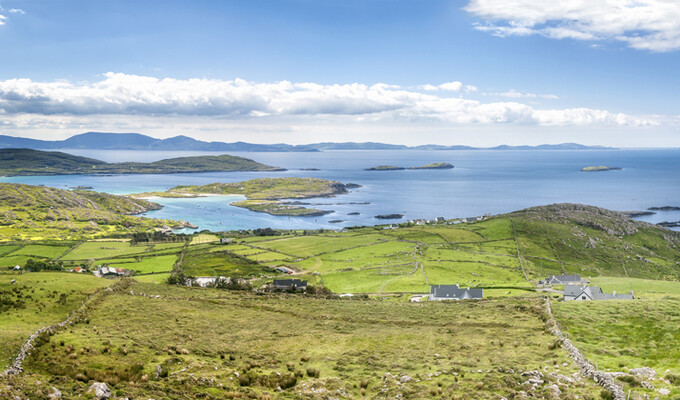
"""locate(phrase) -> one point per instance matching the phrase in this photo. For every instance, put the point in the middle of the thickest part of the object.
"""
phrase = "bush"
(313, 372)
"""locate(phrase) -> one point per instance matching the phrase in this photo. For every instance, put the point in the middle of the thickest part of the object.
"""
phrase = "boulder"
(56, 394)
(405, 379)
(100, 390)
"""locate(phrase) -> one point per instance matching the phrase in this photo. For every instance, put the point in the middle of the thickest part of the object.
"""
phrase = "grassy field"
(42, 251)
(620, 335)
(222, 345)
(37, 300)
(100, 249)
(148, 265)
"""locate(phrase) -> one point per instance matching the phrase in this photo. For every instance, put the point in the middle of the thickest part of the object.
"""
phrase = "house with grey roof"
(586, 293)
(562, 280)
(453, 292)
(289, 285)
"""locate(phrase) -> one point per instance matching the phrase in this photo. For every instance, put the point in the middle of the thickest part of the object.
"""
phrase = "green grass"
(160, 278)
(42, 251)
(618, 335)
(201, 263)
(4, 250)
(38, 299)
(149, 265)
(101, 249)
(215, 334)
(11, 261)
(641, 287)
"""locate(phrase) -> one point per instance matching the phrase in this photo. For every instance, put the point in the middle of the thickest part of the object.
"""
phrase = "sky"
(468, 72)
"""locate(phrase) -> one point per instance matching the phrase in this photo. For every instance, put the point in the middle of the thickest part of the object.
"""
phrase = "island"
(385, 168)
(389, 216)
(26, 162)
(438, 165)
(600, 168)
(664, 208)
(666, 224)
(265, 194)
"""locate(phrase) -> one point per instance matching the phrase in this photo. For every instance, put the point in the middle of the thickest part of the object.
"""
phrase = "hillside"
(28, 211)
(24, 162)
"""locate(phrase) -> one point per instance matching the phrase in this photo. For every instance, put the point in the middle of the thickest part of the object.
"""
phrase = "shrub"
(313, 372)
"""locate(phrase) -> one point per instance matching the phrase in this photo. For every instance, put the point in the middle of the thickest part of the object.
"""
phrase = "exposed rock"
(100, 390)
(644, 371)
(405, 378)
(664, 391)
(554, 389)
(56, 394)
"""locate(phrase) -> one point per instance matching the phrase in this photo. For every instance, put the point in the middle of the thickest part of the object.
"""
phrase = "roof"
(564, 278)
(454, 292)
(595, 293)
(289, 282)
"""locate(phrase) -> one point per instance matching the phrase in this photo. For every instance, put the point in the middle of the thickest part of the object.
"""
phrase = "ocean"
(482, 182)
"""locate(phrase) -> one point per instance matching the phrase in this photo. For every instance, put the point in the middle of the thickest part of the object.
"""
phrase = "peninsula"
(25, 162)
(264, 194)
(30, 212)
(600, 168)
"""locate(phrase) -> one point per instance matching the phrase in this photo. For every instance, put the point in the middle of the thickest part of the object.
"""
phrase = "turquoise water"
(482, 182)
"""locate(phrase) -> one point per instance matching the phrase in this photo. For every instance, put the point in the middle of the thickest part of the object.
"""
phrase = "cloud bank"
(641, 24)
(133, 95)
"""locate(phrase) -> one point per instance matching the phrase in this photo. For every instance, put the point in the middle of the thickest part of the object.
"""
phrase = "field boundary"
(25, 350)
(604, 379)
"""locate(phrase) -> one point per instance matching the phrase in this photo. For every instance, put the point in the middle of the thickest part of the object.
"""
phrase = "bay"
(482, 182)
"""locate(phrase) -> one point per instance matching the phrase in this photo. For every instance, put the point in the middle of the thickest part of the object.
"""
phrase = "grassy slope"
(24, 162)
(38, 300)
(30, 212)
(213, 336)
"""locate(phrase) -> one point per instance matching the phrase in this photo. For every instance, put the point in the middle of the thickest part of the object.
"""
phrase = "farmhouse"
(453, 292)
(562, 280)
(289, 284)
(585, 293)
(226, 240)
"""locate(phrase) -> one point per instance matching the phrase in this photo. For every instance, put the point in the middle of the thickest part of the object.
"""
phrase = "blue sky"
(476, 72)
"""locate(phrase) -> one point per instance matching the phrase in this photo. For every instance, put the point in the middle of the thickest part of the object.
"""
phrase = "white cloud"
(449, 87)
(17, 11)
(641, 24)
(513, 94)
(2, 19)
(118, 94)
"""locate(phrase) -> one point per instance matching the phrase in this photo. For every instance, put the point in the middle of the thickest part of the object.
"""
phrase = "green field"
(42, 251)
(37, 300)
(149, 265)
(99, 249)
(241, 345)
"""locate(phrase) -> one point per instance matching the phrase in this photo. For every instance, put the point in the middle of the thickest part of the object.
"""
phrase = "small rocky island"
(600, 168)
(390, 216)
(664, 208)
(385, 168)
(437, 165)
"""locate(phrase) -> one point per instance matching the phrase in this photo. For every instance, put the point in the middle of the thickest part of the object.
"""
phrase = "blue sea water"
(482, 182)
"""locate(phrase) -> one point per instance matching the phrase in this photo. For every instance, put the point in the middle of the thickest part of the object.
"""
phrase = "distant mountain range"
(137, 141)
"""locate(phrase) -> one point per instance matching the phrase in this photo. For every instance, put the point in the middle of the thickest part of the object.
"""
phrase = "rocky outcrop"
(587, 369)
(100, 390)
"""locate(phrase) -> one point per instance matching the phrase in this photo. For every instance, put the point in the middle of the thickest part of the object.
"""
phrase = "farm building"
(562, 280)
(226, 240)
(289, 284)
(453, 292)
(585, 293)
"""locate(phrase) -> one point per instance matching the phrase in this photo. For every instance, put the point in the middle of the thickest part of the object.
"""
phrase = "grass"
(149, 265)
(447, 349)
(37, 300)
(99, 249)
(201, 263)
(619, 335)
(42, 251)
(204, 238)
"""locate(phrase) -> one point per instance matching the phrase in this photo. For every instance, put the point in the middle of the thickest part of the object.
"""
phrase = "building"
(107, 271)
(453, 292)
(585, 293)
(289, 284)
(226, 240)
(562, 280)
